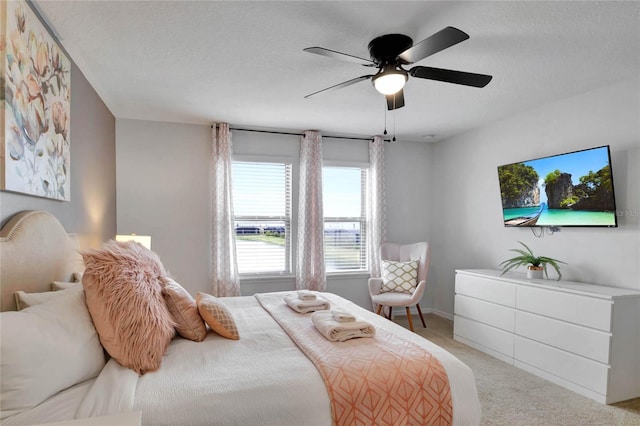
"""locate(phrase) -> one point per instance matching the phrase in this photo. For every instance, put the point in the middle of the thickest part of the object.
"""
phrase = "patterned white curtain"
(224, 264)
(376, 204)
(310, 271)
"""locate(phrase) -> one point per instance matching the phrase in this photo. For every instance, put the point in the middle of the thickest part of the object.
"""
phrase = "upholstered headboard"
(35, 250)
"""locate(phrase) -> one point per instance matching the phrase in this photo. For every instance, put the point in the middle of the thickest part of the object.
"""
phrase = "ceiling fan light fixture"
(390, 80)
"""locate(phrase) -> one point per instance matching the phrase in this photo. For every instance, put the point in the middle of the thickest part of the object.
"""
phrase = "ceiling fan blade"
(395, 101)
(341, 85)
(339, 55)
(439, 41)
(451, 76)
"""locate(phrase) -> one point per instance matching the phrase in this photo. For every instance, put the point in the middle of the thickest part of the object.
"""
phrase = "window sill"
(330, 276)
(254, 278)
(348, 275)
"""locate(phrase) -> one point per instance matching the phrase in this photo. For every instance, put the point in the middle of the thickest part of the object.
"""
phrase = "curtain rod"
(301, 134)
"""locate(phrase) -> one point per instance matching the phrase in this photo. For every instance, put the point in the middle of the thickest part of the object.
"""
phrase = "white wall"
(162, 185)
(467, 217)
(163, 191)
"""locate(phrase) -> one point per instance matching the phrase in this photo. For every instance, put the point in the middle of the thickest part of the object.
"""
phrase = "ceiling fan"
(391, 52)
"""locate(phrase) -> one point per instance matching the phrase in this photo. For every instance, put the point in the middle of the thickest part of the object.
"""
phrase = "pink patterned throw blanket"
(384, 380)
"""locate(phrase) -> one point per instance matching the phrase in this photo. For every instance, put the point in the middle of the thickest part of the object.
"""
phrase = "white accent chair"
(402, 253)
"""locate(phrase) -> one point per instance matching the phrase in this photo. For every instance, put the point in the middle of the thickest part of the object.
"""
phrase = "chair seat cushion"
(392, 299)
(399, 277)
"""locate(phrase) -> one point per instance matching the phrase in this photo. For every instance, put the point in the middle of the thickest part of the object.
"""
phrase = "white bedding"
(261, 379)
(61, 406)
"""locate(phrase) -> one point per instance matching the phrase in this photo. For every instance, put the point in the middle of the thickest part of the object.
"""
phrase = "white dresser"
(581, 336)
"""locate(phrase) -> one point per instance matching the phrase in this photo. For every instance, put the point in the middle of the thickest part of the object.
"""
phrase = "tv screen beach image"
(572, 189)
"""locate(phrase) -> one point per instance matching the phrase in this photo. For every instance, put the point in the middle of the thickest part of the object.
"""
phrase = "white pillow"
(25, 300)
(399, 277)
(62, 285)
(46, 348)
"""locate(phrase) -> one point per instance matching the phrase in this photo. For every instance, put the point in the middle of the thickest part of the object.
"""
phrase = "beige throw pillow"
(184, 311)
(63, 285)
(399, 277)
(25, 300)
(217, 316)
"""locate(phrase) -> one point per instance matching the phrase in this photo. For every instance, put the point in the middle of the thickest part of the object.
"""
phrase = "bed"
(264, 378)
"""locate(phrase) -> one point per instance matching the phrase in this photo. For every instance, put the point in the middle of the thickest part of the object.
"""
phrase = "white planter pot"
(534, 274)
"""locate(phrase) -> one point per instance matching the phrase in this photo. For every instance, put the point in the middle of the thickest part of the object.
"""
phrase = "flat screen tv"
(571, 189)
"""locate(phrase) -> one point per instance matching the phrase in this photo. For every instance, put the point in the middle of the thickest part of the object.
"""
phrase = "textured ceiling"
(242, 62)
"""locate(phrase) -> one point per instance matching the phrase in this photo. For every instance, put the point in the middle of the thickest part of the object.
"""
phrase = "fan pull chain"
(394, 118)
(385, 119)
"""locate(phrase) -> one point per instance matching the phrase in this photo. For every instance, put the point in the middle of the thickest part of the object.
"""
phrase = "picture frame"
(35, 94)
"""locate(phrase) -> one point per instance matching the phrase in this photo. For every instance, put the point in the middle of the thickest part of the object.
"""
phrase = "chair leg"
(379, 310)
(421, 317)
(409, 318)
(389, 316)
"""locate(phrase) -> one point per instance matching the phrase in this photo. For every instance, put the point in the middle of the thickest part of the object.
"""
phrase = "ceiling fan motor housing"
(386, 48)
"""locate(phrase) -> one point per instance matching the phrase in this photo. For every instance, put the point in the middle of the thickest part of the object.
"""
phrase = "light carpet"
(510, 396)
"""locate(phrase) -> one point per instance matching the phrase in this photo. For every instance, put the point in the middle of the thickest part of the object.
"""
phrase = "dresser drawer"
(486, 289)
(587, 342)
(582, 310)
(484, 335)
(581, 371)
(488, 313)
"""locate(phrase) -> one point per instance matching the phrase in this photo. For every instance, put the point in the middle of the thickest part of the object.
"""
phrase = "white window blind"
(343, 198)
(262, 209)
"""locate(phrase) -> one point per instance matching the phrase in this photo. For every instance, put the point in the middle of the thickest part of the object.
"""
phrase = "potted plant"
(535, 264)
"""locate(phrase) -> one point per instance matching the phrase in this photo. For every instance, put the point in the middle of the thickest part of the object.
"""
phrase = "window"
(262, 209)
(345, 226)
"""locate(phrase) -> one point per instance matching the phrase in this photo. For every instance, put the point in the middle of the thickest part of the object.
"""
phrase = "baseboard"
(441, 314)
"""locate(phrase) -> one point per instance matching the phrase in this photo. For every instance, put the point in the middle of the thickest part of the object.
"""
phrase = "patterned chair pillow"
(399, 277)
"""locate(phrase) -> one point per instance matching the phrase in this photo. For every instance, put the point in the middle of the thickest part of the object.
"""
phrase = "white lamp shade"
(144, 240)
(389, 83)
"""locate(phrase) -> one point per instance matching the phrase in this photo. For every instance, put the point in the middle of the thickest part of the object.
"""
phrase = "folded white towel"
(306, 306)
(340, 331)
(341, 315)
(306, 295)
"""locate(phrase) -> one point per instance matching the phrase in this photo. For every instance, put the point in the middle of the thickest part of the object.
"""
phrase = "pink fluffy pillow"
(124, 297)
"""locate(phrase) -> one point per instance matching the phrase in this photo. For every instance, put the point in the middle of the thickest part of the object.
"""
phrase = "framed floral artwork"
(35, 92)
